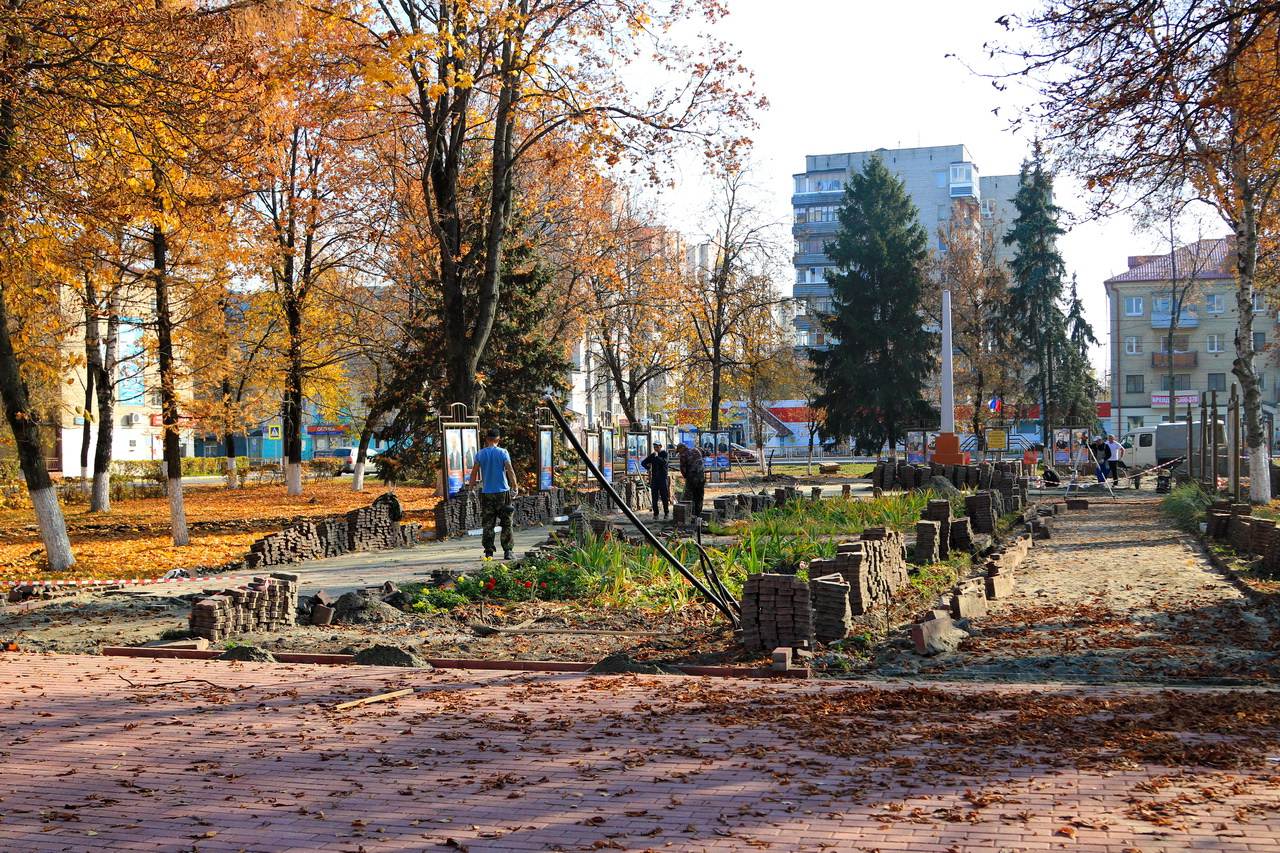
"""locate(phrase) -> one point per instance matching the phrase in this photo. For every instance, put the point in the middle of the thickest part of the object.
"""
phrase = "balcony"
(1188, 318)
(1180, 359)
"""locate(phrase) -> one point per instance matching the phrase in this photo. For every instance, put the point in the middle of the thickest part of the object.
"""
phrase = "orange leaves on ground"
(133, 542)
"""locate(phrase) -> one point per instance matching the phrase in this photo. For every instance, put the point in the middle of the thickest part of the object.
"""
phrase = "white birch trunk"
(53, 529)
(233, 476)
(357, 478)
(1259, 475)
(101, 501)
(178, 513)
(293, 477)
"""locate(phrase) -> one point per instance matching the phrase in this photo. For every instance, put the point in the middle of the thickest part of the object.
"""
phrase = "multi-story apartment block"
(936, 178)
(1203, 347)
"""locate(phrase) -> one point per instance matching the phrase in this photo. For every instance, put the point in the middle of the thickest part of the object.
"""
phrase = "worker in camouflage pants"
(497, 487)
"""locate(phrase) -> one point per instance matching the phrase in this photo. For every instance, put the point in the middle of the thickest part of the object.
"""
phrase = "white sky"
(852, 75)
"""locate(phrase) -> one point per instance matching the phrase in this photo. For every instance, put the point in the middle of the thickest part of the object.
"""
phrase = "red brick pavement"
(501, 761)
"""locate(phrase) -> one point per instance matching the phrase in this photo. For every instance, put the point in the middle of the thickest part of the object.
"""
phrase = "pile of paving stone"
(832, 616)
(875, 567)
(374, 528)
(984, 509)
(264, 604)
(940, 511)
(926, 552)
(776, 611)
(784, 495)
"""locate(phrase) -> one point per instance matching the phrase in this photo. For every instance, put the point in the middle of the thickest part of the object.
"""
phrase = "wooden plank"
(369, 700)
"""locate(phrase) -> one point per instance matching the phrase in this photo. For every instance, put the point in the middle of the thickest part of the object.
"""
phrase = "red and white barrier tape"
(122, 581)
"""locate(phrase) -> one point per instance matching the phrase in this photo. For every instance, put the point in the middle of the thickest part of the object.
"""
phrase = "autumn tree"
(735, 292)
(75, 77)
(1159, 96)
(485, 83)
(306, 215)
(970, 268)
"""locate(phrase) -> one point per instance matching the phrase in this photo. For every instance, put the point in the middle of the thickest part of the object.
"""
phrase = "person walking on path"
(1116, 449)
(497, 487)
(659, 467)
(695, 476)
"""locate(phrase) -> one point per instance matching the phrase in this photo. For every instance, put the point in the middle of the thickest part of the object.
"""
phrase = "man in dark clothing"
(695, 476)
(1102, 455)
(658, 466)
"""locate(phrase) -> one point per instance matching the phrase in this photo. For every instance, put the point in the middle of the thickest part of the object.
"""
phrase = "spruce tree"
(873, 376)
(1038, 274)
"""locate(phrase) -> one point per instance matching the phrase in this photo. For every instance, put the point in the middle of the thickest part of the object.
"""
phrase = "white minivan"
(1140, 447)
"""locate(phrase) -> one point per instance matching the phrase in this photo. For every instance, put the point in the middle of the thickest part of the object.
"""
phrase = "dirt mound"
(621, 662)
(943, 486)
(248, 654)
(383, 655)
(363, 608)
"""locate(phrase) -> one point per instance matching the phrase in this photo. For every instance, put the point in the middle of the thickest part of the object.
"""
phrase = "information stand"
(459, 442)
(546, 449)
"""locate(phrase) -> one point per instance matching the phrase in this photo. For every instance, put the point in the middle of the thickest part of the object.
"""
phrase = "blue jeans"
(1104, 470)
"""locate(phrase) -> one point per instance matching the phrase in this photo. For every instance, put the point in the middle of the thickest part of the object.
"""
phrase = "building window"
(1214, 343)
(1259, 341)
(1161, 305)
(1181, 343)
(1133, 345)
(1133, 306)
(940, 180)
(801, 215)
(1181, 382)
(1262, 381)
(1133, 384)
(1135, 421)
(1217, 382)
(1214, 304)
(1259, 303)
(802, 338)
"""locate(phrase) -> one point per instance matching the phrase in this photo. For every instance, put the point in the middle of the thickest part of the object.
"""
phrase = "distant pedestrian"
(1116, 462)
(497, 487)
(695, 476)
(658, 464)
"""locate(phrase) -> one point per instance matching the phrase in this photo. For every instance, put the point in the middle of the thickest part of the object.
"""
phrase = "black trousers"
(693, 490)
(661, 492)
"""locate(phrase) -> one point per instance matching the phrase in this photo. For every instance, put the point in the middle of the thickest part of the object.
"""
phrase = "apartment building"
(937, 178)
(1203, 345)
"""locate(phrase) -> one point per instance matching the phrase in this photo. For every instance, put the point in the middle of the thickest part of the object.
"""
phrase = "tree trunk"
(90, 375)
(1243, 365)
(105, 367)
(168, 389)
(13, 391)
(228, 437)
(362, 455)
(715, 386)
(293, 394)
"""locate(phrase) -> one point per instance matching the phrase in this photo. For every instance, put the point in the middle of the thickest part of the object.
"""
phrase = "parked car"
(738, 453)
(347, 455)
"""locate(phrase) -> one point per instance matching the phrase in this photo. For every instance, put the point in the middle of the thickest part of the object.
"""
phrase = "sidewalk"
(252, 757)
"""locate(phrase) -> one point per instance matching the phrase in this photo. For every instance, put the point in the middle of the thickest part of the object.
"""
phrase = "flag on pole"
(995, 404)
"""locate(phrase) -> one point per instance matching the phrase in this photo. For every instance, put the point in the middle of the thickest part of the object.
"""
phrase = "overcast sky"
(850, 75)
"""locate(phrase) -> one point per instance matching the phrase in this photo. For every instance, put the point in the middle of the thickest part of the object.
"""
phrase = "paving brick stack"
(874, 566)
(984, 510)
(926, 548)
(776, 611)
(264, 604)
(682, 514)
(1260, 530)
(940, 511)
(961, 535)
(832, 618)
(1238, 533)
(1218, 517)
(373, 528)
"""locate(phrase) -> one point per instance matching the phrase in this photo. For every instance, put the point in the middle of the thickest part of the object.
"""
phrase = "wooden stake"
(369, 700)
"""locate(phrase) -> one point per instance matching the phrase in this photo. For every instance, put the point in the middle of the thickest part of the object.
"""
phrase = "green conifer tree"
(873, 376)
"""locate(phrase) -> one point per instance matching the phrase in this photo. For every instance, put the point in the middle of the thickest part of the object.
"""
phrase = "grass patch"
(1185, 506)
(847, 469)
(839, 516)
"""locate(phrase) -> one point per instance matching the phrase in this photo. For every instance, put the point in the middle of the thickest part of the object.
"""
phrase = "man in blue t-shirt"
(497, 481)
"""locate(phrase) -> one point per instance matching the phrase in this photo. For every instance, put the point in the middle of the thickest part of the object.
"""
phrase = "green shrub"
(1185, 506)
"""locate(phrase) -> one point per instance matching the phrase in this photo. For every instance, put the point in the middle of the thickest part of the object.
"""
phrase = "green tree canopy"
(873, 376)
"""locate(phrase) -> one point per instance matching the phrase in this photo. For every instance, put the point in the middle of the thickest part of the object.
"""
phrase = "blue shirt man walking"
(497, 487)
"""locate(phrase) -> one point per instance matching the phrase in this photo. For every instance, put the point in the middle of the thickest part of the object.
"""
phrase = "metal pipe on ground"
(648, 534)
